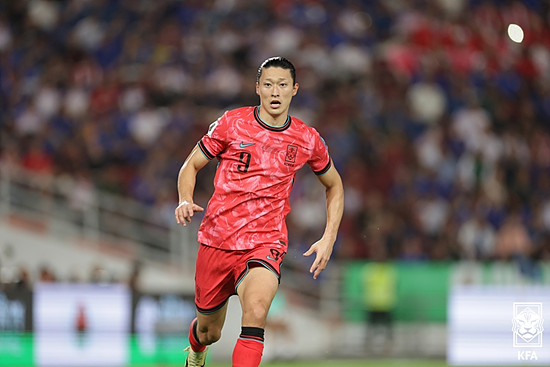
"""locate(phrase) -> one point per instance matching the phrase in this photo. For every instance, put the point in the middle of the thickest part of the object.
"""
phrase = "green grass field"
(351, 363)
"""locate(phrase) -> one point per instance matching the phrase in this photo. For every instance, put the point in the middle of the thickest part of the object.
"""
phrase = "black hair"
(278, 62)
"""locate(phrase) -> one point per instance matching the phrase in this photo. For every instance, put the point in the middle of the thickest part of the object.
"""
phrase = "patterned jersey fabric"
(257, 165)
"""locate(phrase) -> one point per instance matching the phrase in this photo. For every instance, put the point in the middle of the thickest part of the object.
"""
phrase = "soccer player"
(243, 235)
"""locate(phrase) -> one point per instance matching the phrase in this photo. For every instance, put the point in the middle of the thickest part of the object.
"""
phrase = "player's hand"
(323, 250)
(185, 211)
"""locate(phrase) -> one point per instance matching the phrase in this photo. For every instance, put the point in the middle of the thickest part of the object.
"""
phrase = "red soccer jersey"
(257, 165)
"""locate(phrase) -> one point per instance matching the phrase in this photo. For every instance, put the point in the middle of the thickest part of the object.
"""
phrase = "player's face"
(276, 90)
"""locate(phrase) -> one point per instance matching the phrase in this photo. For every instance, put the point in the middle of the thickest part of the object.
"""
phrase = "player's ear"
(295, 89)
(257, 88)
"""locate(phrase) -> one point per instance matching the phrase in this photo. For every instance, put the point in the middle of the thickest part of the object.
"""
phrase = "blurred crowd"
(438, 122)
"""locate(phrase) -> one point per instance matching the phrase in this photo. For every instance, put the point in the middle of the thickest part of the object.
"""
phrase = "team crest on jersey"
(291, 151)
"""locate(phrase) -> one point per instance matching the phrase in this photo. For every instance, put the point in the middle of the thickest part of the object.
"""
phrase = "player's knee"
(212, 337)
(255, 314)
(208, 336)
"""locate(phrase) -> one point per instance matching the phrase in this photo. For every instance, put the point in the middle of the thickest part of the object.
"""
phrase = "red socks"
(249, 348)
(194, 339)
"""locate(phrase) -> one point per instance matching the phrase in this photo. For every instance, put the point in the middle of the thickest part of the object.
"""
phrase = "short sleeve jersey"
(254, 178)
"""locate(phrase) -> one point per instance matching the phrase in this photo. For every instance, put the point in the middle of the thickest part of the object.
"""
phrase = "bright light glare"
(515, 33)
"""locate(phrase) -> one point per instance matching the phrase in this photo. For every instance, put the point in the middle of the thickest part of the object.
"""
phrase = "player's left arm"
(335, 209)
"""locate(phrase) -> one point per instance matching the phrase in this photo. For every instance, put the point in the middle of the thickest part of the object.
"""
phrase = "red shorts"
(219, 272)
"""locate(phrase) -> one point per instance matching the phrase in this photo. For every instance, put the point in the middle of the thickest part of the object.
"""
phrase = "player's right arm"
(187, 178)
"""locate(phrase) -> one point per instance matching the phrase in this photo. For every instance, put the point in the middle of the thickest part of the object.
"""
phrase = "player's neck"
(277, 120)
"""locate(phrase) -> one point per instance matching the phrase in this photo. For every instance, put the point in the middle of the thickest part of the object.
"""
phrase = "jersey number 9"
(244, 158)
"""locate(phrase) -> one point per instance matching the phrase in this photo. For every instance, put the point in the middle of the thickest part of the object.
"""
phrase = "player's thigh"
(257, 289)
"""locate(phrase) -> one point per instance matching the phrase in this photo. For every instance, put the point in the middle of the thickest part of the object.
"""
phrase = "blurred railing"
(72, 208)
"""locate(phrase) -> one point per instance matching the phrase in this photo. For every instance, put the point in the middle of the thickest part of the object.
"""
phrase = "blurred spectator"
(476, 238)
(513, 243)
(380, 294)
(46, 274)
(426, 107)
(135, 277)
(37, 159)
(512, 239)
(99, 275)
(23, 280)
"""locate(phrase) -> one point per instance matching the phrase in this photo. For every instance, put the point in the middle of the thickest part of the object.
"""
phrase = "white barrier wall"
(69, 259)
